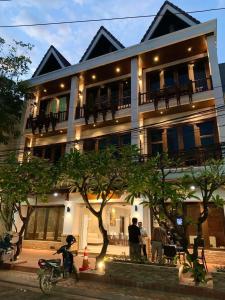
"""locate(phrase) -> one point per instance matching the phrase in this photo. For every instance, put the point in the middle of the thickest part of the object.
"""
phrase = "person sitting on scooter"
(67, 255)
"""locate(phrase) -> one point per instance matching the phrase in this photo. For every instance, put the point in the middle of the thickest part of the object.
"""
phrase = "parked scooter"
(6, 249)
(51, 271)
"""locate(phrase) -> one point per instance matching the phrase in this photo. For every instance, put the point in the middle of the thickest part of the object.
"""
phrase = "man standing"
(144, 235)
(134, 240)
(159, 239)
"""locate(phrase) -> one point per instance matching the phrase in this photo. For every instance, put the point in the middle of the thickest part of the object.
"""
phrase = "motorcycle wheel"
(46, 284)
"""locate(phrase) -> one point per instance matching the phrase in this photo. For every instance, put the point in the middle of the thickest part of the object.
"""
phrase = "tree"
(102, 174)
(165, 191)
(23, 184)
(14, 65)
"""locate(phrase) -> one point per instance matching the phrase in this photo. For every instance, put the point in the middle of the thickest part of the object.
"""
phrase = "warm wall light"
(62, 85)
(94, 125)
(193, 106)
(156, 59)
(161, 112)
(189, 49)
(45, 91)
(117, 121)
(41, 134)
(118, 70)
(93, 76)
(61, 131)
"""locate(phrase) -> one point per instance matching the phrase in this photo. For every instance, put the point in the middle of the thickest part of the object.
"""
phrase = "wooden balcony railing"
(196, 156)
(44, 121)
(102, 106)
(176, 91)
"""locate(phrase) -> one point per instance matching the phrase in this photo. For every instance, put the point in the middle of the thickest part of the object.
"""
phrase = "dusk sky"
(72, 40)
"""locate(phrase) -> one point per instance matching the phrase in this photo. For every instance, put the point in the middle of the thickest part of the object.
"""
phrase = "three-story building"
(163, 94)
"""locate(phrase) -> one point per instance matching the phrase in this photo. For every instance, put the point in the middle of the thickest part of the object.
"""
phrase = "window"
(154, 81)
(183, 77)
(53, 152)
(89, 145)
(45, 223)
(172, 140)
(169, 78)
(63, 103)
(207, 134)
(188, 137)
(156, 141)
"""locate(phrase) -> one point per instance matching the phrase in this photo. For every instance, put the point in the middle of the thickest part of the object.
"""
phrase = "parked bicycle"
(51, 271)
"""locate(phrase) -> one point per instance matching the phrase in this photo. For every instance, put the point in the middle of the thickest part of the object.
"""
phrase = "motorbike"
(7, 250)
(53, 271)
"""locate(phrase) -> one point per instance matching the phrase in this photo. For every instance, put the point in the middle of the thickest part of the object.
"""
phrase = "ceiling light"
(93, 76)
(193, 106)
(94, 125)
(61, 131)
(189, 49)
(62, 85)
(161, 112)
(192, 187)
(156, 59)
(45, 91)
(55, 194)
(41, 134)
(117, 70)
(117, 121)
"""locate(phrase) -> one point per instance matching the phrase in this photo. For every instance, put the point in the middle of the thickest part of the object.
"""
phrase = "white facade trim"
(168, 39)
(174, 11)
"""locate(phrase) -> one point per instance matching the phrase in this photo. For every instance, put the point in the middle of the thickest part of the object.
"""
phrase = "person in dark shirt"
(134, 240)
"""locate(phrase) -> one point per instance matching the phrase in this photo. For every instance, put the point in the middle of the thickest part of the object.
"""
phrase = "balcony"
(45, 122)
(102, 106)
(163, 98)
(196, 156)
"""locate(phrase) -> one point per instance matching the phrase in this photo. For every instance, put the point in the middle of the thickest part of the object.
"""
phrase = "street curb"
(201, 292)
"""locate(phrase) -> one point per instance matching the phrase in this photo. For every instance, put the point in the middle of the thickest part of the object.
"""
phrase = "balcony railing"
(196, 156)
(102, 106)
(176, 91)
(44, 121)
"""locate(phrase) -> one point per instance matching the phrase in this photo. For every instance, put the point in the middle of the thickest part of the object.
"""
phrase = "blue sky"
(72, 40)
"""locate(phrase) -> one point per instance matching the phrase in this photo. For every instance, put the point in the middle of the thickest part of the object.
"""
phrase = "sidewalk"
(93, 289)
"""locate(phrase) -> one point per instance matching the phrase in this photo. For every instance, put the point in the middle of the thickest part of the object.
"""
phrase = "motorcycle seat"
(54, 262)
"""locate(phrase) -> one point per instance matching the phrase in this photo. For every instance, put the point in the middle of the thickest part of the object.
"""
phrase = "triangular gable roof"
(52, 60)
(102, 34)
(169, 8)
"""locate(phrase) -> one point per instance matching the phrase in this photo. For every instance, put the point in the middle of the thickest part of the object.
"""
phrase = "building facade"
(163, 94)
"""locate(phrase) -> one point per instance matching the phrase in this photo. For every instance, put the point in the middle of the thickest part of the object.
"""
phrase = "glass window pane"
(89, 145)
(183, 75)
(52, 223)
(53, 106)
(169, 78)
(199, 70)
(207, 141)
(154, 82)
(206, 128)
(172, 140)
(157, 148)
(61, 221)
(62, 104)
(41, 214)
(188, 137)
(125, 139)
(156, 135)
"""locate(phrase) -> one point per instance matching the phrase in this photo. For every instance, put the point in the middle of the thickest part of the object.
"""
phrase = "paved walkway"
(25, 282)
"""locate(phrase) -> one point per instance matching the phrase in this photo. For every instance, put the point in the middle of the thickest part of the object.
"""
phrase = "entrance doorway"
(116, 219)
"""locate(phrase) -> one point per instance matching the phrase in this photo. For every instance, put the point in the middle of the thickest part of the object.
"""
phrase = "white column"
(217, 85)
(191, 75)
(137, 210)
(134, 102)
(74, 91)
(161, 79)
(71, 218)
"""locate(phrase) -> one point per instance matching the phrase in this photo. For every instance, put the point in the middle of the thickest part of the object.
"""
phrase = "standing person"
(134, 240)
(144, 235)
(158, 240)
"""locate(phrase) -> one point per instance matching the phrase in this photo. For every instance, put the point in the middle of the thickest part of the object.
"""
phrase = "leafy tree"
(102, 174)
(14, 65)
(165, 191)
(23, 184)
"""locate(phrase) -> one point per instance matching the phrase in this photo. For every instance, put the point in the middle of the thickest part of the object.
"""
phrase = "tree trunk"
(105, 238)
(20, 239)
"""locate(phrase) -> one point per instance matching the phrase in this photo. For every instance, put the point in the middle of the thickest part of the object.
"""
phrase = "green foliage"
(197, 269)
(14, 64)
(22, 182)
